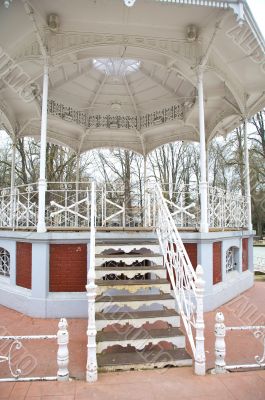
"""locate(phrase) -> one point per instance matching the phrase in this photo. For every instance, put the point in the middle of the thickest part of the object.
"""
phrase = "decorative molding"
(67, 42)
(111, 121)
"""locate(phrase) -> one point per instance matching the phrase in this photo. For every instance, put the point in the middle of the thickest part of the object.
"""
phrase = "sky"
(258, 9)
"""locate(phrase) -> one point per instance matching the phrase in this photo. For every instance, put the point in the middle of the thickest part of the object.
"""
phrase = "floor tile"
(245, 386)
(6, 389)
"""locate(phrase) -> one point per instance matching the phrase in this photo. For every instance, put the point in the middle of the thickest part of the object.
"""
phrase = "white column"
(77, 177)
(247, 175)
(145, 203)
(12, 178)
(41, 227)
(203, 183)
(12, 184)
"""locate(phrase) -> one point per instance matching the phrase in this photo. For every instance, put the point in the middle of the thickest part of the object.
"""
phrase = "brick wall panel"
(217, 262)
(244, 254)
(68, 267)
(191, 249)
(23, 264)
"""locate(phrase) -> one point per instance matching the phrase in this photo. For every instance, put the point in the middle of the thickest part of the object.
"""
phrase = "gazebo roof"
(126, 76)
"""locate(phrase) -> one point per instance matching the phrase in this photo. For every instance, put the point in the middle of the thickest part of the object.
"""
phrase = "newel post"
(91, 287)
(220, 366)
(199, 367)
(62, 353)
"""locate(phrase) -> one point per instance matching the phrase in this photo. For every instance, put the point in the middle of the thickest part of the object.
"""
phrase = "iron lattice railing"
(68, 206)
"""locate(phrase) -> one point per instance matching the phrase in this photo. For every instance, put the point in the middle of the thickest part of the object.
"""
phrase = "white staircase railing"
(187, 285)
(91, 287)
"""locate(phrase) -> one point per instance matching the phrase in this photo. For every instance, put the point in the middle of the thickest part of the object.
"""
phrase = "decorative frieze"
(109, 121)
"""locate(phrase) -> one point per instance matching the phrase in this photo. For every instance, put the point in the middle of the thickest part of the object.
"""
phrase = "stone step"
(133, 285)
(128, 259)
(137, 360)
(134, 301)
(131, 271)
(136, 318)
(139, 338)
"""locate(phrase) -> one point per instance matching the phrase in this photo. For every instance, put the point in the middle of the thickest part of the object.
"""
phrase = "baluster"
(200, 351)
(220, 365)
(62, 353)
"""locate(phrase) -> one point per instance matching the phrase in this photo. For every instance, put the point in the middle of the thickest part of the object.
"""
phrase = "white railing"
(16, 345)
(91, 287)
(68, 206)
(187, 286)
(226, 209)
(220, 346)
(259, 264)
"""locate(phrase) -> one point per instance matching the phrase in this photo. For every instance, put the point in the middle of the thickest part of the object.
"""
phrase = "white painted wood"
(203, 183)
(199, 366)
(91, 287)
(121, 285)
(62, 354)
(127, 248)
(247, 175)
(134, 305)
(41, 226)
(161, 274)
(220, 348)
(140, 344)
(174, 321)
(128, 260)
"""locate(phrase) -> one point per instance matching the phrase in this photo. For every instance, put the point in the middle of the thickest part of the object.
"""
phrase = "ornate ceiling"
(126, 76)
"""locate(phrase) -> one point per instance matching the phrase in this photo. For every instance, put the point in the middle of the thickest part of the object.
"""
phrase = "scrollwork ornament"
(17, 346)
(260, 334)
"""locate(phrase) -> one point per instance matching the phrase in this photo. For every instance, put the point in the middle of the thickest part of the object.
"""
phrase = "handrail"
(187, 285)
(91, 287)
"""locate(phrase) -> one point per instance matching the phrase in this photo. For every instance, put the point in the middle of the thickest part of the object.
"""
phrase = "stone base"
(48, 270)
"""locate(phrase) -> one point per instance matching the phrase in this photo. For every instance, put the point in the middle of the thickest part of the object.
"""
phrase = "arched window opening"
(4, 262)
(231, 259)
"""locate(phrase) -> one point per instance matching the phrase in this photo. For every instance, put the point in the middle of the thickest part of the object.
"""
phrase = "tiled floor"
(39, 358)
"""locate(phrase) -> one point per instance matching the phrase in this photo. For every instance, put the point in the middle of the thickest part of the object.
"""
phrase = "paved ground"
(39, 358)
(172, 384)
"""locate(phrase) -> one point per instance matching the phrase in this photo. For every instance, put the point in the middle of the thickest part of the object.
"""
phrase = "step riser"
(163, 287)
(147, 365)
(134, 305)
(140, 344)
(162, 274)
(128, 260)
(137, 323)
(127, 248)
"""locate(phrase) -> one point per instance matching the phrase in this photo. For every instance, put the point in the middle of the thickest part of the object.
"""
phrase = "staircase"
(137, 325)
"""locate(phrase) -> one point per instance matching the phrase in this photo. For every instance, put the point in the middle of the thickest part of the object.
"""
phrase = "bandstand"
(105, 74)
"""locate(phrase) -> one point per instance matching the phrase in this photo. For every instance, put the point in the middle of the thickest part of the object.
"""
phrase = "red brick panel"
(23, 264)
(217, 262)
(244, 254)
(68, 267)
(191, 249)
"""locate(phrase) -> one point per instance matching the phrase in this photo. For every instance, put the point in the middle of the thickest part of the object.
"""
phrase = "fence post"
(62, 353)
(220, 366)
(199, 368)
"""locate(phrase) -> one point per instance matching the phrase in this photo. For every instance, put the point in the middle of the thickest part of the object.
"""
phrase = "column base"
(41, 228)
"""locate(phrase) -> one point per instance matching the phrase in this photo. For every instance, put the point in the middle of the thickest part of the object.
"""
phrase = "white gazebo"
(135, 75)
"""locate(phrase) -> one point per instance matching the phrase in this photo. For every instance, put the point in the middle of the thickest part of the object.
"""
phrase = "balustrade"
(68, 206)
